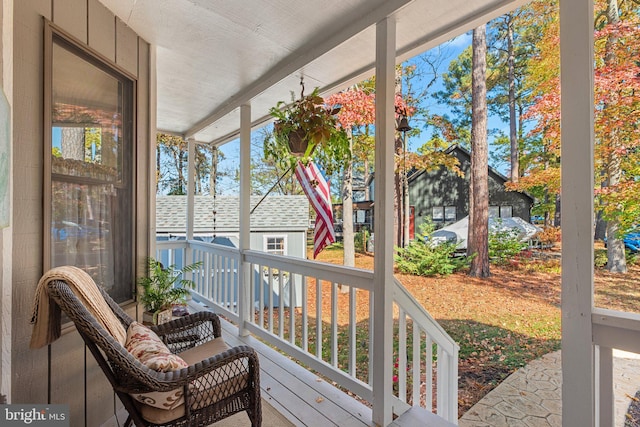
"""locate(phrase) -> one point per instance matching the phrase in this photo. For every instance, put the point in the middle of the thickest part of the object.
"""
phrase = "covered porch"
(209, 72)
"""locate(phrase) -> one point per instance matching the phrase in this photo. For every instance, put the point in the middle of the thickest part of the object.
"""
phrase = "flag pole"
(271, 189)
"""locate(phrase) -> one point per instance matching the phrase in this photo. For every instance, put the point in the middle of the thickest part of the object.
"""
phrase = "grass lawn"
(503, 322)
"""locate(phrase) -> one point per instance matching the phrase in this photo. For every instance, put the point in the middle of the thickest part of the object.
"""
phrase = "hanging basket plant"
(303, 128)
(296, 140)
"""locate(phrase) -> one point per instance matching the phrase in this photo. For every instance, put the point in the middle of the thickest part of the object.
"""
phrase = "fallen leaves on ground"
(501, 322)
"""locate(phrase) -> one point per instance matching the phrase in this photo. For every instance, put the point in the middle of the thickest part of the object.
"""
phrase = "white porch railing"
(319, 332)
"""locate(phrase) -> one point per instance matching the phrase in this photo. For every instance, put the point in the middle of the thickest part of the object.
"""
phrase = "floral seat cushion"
(149, 349)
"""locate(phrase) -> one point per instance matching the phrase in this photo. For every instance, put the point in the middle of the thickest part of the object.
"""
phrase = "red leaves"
(358, 107)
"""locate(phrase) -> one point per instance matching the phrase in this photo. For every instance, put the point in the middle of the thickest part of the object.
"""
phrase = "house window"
(500, 211)
(438, 213)
(450, 213)
(443, 213)
(506, 211)
(89, 158)
(275, 245)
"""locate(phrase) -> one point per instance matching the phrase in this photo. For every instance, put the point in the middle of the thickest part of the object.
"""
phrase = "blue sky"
(449, 51)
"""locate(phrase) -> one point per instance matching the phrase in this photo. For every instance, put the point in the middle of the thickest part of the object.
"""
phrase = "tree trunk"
(72, 143)
(513, 135)
(557, 218)
(616, 260)
(478, 241)
(601, 227)
(349, 256)
(182, 161)
(367, 196)
(406, 208)
(397, 179)
(213, 176)
(397, 200)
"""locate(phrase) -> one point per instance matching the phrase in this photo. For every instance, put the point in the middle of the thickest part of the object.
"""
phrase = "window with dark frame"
(90, 151)
(275, 245)
(444, 214)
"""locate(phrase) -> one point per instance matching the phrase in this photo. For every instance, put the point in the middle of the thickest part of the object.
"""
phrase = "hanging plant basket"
(301, 127)
(298, 143)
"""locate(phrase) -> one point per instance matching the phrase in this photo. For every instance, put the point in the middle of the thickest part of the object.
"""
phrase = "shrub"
(549, 236)
(421, 258)
(504, 245)
(360, 240)
(600, 258)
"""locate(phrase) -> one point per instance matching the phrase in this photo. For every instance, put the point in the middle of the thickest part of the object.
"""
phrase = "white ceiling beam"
(297, 60)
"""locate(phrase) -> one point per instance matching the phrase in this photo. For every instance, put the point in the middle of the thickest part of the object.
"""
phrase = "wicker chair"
(219, 382)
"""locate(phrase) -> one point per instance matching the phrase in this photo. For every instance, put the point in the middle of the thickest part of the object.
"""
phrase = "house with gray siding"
(442, 196)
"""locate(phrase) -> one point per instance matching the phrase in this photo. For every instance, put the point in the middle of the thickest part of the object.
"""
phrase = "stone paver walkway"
(532, 396)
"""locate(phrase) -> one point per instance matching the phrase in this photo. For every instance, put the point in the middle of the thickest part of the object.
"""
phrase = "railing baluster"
(233, 278)
(224, 282)
(370, 347)
(207, 275)
(318, 319)
(353, 324)
(428, 380)
(280, 304)
(416, 365)
(334, 324)
(270, 299)
(201, 276)
(218, 276)
(452, 386)
(292, 308)
(252, 293)
(305, 316)
(402, 355)
(197, 256)
(441, 369)
(261, 293)
(214, 280)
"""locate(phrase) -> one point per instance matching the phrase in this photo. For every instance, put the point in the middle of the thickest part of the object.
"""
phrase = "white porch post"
(576, 64)
(244, 273)
(191, 186)
(383, 221)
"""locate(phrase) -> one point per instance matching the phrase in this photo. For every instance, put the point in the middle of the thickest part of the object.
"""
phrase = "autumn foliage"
(616, 108)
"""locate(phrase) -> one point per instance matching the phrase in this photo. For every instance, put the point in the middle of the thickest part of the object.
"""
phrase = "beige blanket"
(46, 313)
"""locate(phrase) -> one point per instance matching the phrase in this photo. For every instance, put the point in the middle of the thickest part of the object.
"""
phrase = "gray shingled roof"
(282, 213)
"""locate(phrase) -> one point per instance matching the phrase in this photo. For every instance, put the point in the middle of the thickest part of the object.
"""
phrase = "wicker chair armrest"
(189, 331)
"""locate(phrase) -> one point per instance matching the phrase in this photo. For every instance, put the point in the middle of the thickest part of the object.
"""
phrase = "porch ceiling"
(214, 55)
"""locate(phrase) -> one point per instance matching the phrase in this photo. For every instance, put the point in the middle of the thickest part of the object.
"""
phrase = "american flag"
(317, 190)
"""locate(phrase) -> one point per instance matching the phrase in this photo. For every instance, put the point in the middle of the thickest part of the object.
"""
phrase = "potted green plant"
(303, 126)
(162, 288)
